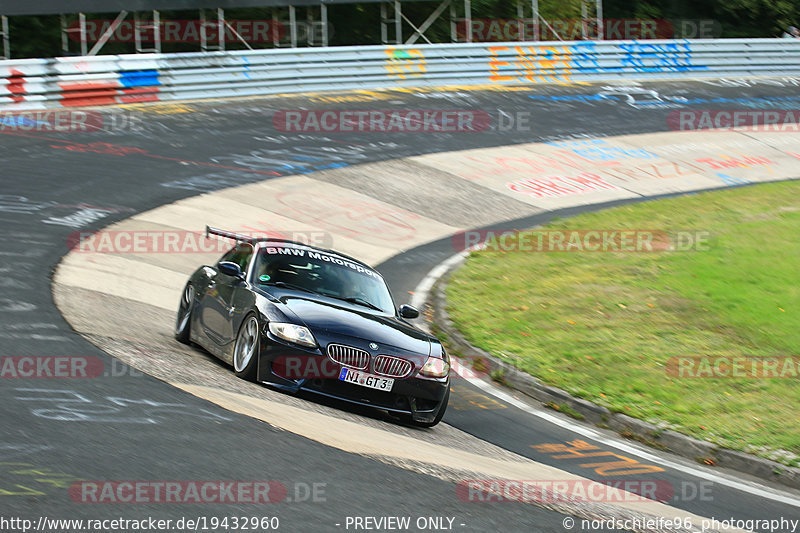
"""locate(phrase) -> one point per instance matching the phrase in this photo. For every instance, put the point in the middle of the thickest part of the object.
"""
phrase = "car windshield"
(321, 273)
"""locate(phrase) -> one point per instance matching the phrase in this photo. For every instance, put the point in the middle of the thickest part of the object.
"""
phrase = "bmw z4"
(301, 318)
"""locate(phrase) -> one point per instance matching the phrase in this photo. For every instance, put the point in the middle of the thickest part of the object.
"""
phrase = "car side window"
(240, 255)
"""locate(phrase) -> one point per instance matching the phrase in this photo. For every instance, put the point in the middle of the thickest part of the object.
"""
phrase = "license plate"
(357, 377)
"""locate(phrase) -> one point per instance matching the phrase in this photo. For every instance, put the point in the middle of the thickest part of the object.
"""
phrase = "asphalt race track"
(129, 426)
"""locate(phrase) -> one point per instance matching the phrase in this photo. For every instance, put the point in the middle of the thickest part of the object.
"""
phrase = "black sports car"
(298, 317)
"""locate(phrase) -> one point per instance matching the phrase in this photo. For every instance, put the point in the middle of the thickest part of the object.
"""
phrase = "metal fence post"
(6, 39)
(293, 25)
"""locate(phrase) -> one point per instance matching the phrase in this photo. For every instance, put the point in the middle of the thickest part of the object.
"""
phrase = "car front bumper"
(294, 369)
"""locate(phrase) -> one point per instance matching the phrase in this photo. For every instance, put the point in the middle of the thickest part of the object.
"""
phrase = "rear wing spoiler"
(239, 237)
(229, 235)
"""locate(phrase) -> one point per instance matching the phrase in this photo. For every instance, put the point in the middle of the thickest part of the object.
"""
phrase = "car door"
(220, 296)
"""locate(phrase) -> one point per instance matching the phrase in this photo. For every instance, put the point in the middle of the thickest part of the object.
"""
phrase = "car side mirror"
(230, 269)
(408, 311)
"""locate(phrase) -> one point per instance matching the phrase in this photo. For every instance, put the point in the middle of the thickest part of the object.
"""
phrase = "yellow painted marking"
(160, 109)
(58, 483)
(44, 476)
(29, 472)
(532, 63)
(495, 64)
(466, 400)
(405, 63)
(27, 491)
(578, 448)
(627, 467)
(323, 99)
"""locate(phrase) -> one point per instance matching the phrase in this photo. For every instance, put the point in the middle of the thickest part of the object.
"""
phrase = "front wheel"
(183, 323)
(245, 351)
(439, 414)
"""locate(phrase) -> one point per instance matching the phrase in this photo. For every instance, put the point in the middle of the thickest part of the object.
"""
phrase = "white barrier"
(105, 80)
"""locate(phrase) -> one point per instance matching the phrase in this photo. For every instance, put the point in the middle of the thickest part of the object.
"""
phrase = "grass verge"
(604, 326)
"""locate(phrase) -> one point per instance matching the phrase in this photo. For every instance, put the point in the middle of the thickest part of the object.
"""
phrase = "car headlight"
(435, 368)
(293, 333)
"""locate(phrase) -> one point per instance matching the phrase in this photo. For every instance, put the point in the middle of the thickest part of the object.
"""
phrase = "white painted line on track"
(424, 287)
(421, 295)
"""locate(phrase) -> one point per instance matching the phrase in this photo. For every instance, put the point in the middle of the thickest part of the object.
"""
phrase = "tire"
(439, 415)
(183, 323)
(245, 351)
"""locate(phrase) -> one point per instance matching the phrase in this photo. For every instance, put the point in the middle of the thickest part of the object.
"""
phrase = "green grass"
(603, 325)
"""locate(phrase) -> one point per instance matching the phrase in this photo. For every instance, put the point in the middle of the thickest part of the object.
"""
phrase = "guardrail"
(105, 80)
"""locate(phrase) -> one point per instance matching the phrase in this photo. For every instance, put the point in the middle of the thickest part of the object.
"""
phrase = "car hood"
(337, 322)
